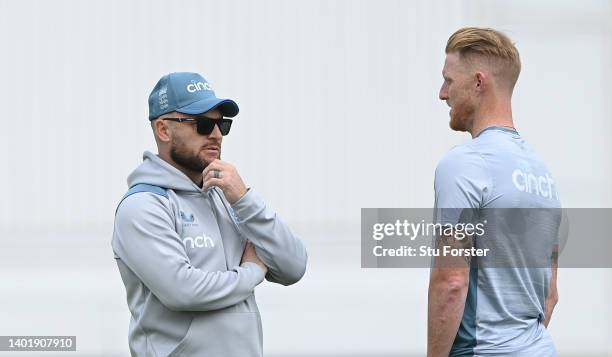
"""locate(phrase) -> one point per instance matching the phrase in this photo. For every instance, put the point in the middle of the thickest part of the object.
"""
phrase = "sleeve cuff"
(247, 206)
(259, 273)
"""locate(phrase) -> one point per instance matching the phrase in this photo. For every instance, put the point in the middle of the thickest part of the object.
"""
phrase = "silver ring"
(216, 174)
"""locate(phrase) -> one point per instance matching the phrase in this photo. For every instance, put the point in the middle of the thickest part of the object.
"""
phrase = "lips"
(211, 150)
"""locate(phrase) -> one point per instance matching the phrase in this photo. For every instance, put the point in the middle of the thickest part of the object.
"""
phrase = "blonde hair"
(491, 45)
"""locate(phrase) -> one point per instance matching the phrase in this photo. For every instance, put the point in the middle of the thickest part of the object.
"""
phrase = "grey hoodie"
(179, 258)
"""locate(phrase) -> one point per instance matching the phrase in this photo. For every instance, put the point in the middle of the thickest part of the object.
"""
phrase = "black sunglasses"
(206, 125)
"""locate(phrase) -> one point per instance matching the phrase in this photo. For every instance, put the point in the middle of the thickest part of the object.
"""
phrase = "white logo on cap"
(197, 86)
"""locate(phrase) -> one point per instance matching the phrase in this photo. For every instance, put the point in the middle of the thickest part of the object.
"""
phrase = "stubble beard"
(462, 115)
(186, 158)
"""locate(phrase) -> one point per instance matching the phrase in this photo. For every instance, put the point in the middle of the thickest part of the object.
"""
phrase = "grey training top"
(179, 248)
(495, 174)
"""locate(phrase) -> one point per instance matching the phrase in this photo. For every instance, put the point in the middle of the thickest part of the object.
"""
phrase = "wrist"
(239, 196)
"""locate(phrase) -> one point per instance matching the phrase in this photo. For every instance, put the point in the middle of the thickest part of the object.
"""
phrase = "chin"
(461, 120)
(208, 160)
(457, 125)
(205, 159)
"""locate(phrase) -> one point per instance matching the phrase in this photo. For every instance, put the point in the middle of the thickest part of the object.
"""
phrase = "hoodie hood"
(157, 172)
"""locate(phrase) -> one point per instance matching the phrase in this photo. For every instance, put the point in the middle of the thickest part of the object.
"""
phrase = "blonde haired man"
(491, 310)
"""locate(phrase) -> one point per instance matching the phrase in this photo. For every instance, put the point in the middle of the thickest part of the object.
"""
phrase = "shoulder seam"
(468, 148)
(488, 172)
(139, 188)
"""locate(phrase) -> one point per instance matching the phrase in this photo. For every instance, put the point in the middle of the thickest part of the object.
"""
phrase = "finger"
(216, 164)
(219, 165)
(212, 182)
(248, 251)
(211, 175)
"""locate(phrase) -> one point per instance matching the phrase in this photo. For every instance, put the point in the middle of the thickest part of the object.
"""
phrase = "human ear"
(481, 80)
(162, 130)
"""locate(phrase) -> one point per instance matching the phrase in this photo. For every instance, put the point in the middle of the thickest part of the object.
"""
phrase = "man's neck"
(196, 177)
(496, 113)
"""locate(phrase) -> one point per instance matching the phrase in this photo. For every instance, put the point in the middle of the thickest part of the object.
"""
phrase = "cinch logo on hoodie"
(202, 241)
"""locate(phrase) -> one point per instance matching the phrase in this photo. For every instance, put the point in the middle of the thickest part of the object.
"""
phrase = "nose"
(216, 133)
(443, 95)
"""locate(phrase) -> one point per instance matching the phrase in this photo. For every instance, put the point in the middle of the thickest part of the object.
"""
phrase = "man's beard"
(462, 115)
(185, 158)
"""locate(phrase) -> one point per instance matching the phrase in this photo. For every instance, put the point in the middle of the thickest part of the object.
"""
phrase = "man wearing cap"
(191, 240)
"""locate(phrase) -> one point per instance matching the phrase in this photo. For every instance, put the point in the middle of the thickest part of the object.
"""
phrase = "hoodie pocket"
(227, 334)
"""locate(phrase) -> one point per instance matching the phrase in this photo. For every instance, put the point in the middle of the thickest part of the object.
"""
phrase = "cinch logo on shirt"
(194, 87)
(537, 185)
(202, 241)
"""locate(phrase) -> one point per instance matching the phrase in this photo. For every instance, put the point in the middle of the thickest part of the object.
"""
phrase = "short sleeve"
(461, 182)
